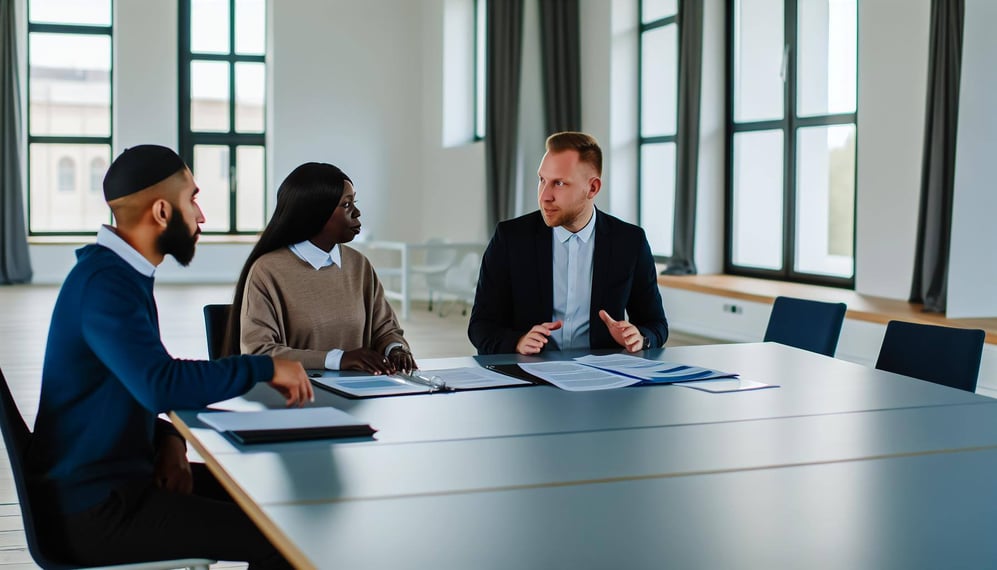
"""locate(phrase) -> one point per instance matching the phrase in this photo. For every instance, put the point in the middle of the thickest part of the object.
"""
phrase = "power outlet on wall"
(733, 309)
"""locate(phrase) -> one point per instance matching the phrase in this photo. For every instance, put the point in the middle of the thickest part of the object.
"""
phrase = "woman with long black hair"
(304, 295)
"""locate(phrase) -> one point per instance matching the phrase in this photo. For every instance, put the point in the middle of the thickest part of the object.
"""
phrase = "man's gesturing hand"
(536, 338)
(625, 334)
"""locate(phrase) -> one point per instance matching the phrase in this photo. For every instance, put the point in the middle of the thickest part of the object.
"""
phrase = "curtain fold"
(15, 265)
(503, 54)
(931, 261)
(561, 56)
(682, 260)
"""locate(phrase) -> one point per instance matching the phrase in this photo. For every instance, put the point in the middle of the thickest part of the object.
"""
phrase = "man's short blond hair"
(585, 144)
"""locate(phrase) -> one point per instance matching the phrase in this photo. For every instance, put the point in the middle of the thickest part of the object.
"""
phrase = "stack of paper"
(619, 370)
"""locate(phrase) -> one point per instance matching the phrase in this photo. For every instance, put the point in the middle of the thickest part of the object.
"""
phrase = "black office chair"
(16, 437)
(810, 325)
(943, 355)
(215, 323)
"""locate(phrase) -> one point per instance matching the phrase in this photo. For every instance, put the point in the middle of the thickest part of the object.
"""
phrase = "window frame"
(64, 29)
(480, 67)
(789, 126)
(231, 139)
(642, 28)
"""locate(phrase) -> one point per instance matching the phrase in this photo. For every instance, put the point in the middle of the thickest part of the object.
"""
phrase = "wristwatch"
(647, 343)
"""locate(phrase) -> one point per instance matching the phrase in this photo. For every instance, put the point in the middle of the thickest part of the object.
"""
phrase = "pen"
(434, 382)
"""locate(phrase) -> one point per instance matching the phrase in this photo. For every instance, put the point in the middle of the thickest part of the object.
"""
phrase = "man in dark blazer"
(562, 277)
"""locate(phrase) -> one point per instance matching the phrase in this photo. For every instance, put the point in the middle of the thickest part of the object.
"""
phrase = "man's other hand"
(290, 380)
(536, 338)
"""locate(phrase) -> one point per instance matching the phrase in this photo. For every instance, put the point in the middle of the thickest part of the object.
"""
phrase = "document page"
(367, 386)
(652, 371)
(576, 377)
(473, 377)
(723, 385)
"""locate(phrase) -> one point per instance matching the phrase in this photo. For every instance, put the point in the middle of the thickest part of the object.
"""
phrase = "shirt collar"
(315, 256)
(583, 234)
(107, 237)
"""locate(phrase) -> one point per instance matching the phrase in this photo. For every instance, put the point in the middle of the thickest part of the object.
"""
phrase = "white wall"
(893, 72)
(709, 253)
(452, 192)
(346, 91)
(973, 250)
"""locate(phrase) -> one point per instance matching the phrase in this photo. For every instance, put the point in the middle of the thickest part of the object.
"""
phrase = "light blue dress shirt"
(573, 284)
(318, 258)
(107, 237)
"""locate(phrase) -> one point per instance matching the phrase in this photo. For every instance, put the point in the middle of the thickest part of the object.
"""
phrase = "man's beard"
(176, 240)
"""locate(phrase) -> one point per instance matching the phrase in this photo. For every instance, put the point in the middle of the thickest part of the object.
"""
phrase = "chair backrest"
(16, 437)
(810, 325)
(215, 323)
(943, 355)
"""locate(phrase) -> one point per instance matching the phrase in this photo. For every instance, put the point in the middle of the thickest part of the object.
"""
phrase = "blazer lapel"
(600, 269)
(545, 269)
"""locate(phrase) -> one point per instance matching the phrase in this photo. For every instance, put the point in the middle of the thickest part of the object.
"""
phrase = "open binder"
(292, 424)
(353, 385)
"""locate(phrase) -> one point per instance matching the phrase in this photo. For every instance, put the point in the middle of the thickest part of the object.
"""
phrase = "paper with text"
(576, 377)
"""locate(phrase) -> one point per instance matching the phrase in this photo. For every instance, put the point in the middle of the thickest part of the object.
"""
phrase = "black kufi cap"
(139, 167)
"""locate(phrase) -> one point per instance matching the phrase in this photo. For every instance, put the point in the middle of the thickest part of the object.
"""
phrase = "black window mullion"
(231, 139)
(78, 29)
(789, 141)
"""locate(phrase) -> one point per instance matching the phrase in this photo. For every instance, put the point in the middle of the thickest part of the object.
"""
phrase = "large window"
(791, 176)
(222, 109)
(658, 114)
(69, 113)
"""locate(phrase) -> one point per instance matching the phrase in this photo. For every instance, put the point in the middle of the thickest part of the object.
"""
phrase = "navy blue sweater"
(106, 377)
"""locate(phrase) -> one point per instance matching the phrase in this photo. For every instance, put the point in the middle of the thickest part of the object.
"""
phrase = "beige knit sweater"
(291, 310)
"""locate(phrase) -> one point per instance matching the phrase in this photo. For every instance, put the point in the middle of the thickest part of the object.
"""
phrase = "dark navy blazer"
(516, 284)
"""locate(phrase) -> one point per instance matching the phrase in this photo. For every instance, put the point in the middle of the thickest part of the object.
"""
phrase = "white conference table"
(841, 466)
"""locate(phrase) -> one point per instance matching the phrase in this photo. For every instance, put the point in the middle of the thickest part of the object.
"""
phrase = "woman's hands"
(402, 359)
(366, 360)
(372, 362)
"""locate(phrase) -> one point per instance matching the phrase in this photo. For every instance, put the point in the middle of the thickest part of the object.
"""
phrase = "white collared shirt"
(109, 238)
(319, 258)
(573, 284)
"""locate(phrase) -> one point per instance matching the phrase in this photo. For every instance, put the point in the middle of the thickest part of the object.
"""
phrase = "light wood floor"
(26, 311)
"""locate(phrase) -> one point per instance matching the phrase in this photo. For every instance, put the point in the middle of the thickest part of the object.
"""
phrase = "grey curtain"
(503, 54)
(15, 266)
(682, 261)
(562, 82)
(931, 261)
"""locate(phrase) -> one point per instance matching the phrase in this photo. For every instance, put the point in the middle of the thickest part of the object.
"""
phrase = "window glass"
(758, 199)
(825, 200)
(56, 202)
(758, 60)
(209, 26)
(70, 84)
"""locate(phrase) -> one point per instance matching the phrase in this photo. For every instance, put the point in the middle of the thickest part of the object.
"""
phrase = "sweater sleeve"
(120, 326)
(262, 330)
(384, 323)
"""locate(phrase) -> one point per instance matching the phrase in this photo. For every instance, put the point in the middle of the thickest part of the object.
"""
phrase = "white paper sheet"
(576, 377)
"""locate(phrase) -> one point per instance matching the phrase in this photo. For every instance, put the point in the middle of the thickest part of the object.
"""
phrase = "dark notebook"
(268, 426)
